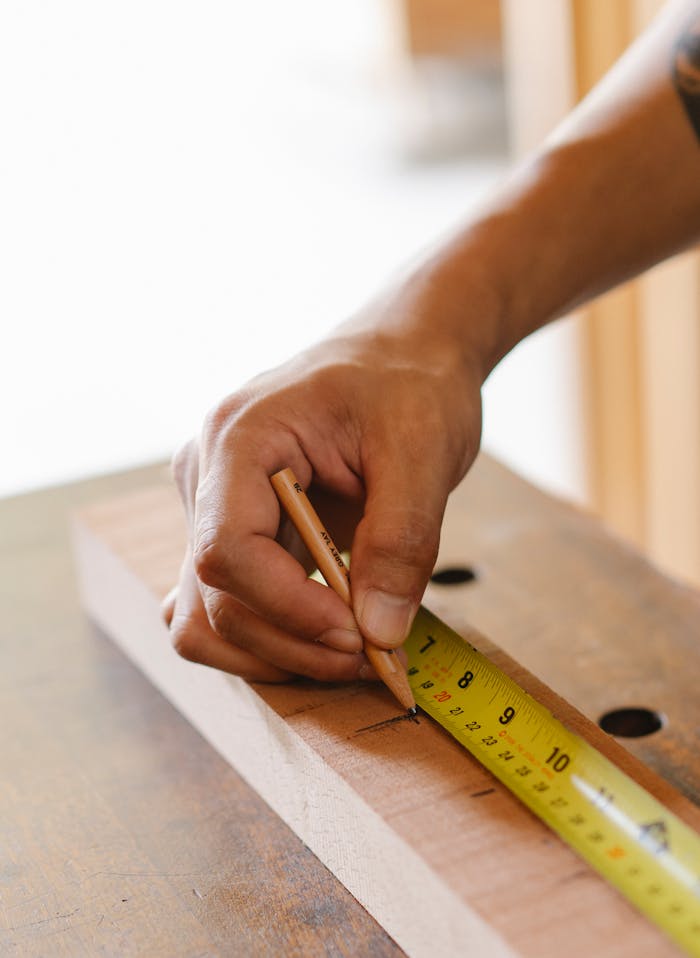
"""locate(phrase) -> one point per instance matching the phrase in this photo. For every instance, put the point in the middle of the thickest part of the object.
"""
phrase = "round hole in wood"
(631, 722)
(453, 575)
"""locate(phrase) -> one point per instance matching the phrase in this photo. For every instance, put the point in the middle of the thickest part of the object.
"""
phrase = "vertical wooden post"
(639, 346)
(642, 356)
(611, 341)
(670, 370)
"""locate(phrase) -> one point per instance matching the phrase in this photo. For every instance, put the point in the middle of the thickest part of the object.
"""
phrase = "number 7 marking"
(431, 641)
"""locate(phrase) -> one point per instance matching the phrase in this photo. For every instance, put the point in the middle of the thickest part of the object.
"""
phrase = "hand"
(383, 419)
(379, 424)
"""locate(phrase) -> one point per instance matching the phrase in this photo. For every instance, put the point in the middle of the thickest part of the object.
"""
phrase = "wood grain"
(455, 853)
(122, 832)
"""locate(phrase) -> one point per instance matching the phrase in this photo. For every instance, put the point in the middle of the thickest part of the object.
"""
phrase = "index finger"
(237, 517)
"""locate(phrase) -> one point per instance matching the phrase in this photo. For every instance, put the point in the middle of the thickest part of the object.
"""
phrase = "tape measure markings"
(623, 832)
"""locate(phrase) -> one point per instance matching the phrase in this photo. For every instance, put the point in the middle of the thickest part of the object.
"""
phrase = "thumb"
(395, 548)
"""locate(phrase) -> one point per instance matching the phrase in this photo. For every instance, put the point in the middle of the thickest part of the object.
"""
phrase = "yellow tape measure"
(628, 836)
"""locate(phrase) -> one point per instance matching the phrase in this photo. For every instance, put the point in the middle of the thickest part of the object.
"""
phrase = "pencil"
(330, 564)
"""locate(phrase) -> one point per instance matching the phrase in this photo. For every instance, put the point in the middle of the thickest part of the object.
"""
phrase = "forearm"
(384, 417)
(613, 191)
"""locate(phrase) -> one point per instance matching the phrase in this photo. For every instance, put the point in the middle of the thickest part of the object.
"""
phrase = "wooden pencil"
(330, 563)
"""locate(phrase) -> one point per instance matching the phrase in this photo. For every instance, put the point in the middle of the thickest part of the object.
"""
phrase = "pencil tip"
(413, 711)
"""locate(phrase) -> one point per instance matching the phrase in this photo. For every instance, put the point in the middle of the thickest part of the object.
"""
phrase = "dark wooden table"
(124, 833)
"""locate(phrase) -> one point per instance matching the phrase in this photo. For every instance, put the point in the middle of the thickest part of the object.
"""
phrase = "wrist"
(516, 265)
(453, 305)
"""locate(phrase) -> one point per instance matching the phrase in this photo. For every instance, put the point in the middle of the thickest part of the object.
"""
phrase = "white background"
(190, 192)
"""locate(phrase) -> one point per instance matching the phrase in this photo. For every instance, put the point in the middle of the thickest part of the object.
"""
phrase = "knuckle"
(221, 416)
(225, 620)
(208, 558)
(215, 419)
(413, 542)
(184, 640)
(220, 616)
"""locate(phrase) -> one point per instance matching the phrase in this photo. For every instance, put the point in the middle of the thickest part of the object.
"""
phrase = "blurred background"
(189, 193)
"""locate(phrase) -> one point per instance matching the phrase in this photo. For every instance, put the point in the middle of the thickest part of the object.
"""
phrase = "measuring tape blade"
(623, 832)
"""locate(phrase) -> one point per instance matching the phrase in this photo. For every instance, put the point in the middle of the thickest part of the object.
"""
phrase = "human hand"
(379, 423)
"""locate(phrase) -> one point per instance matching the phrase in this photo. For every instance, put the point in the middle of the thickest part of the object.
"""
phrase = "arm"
(615, 189)
(382, 419)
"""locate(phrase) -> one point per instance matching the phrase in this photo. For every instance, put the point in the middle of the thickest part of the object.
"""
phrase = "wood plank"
(611, 347)
(123, 832)
(540, 76)
(453, 28)
(670, 367)
(638, 347)
(641, 359)
(436, 864)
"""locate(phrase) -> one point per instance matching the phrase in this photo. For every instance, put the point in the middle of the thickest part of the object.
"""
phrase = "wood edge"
(83, 519)
(141, 634)
(579, 723)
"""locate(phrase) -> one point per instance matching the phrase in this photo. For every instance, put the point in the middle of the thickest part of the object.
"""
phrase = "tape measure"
(624, 833)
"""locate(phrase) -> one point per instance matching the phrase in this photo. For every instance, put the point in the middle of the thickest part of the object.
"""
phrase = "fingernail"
(344, 640)
(385, 618)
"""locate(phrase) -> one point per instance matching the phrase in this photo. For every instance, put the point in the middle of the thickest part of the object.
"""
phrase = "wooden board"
(123, 832)
(468, 29)
(425, 839)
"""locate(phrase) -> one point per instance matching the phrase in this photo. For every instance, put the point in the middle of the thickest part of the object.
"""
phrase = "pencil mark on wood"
(486, 791)
(407, 716)
(108, 874)
(43, 921)
(343, 692)
(439, 776)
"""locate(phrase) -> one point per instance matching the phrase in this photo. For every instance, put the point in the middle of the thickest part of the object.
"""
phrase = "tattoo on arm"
(686, 72)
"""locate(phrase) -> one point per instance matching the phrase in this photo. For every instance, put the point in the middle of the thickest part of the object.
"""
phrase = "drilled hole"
(631, 722)
(453, 575)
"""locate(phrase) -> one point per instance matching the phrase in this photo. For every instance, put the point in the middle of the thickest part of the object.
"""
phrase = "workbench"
(125, 833)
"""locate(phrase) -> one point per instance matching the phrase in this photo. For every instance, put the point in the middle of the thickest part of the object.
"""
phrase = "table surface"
(124, 833)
